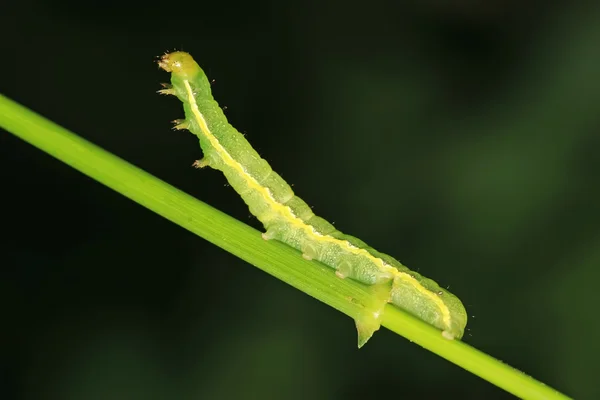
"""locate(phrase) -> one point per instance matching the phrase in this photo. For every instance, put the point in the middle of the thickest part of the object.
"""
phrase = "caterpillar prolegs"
(288, 219)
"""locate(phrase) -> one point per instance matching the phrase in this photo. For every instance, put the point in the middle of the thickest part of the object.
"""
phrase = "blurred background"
(461, 137)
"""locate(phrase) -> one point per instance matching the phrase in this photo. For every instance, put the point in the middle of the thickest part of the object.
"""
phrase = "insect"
(288, 219)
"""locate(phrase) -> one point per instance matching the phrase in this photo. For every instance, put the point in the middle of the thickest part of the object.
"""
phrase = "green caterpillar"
(288, 219)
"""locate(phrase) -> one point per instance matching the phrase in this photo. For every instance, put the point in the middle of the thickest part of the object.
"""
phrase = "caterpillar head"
(179, 63)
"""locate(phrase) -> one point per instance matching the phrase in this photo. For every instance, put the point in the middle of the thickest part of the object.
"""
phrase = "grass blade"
(275, 258)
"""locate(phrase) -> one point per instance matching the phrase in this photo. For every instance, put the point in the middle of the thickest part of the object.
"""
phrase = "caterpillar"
(288, 219)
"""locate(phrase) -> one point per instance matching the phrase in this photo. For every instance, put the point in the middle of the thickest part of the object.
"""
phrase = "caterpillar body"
(288, 219)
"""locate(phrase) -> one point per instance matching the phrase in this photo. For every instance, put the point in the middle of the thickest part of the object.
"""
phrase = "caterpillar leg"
(309, 252)
(268, 235)
(369, 320)
(201, 163)
(343, 270)
(167, 89)
(180, 124)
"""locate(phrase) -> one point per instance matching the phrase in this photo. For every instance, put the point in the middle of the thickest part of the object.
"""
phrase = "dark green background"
(461, 137)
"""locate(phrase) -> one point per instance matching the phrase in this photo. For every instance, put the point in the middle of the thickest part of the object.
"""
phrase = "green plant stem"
(273, 257)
